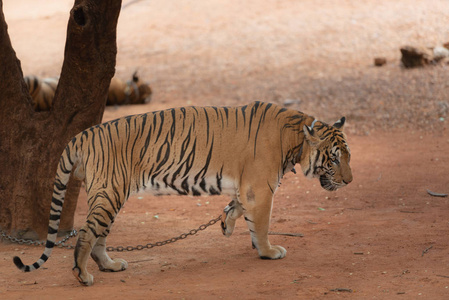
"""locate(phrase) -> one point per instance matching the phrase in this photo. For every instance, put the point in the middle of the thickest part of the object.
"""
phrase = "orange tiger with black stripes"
(42, 91)
(241, 151)
(134, 91)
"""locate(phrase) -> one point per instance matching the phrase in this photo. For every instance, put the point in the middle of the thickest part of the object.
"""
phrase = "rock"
(440, 52)
(289, 102)
(380, 61)
(416, 56)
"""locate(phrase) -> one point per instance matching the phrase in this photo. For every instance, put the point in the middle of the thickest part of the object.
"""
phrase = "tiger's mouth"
(328, 184)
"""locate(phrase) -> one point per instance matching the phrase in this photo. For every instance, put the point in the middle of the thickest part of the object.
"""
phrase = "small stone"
(289, 102)
(380, 61)
(440, 52)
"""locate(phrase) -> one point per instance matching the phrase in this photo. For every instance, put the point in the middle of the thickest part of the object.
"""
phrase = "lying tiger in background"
(130, 92)
(241, 151)
(42, 91)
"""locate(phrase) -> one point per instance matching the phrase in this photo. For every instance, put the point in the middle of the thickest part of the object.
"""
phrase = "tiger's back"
(186, 151)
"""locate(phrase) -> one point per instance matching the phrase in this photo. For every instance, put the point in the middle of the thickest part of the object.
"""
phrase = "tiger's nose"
(347, 181)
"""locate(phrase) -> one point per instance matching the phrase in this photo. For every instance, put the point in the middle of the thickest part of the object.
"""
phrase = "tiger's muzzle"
(329, 185)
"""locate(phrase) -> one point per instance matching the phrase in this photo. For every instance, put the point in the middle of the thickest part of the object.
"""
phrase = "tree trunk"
(31, 142)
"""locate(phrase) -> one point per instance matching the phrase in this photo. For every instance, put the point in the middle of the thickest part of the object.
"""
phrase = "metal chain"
(60, 244)
(163, 243)
(73, 233)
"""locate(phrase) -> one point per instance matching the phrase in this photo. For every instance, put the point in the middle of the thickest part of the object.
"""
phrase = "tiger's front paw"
(275, 252)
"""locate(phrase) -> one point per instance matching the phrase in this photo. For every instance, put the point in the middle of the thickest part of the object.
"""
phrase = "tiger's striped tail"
(66, 162)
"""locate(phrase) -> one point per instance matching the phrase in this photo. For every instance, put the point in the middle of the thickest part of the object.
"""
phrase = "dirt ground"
(381, 237)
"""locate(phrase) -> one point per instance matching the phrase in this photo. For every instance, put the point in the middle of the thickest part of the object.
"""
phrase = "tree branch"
(10, 68)
(90, 52)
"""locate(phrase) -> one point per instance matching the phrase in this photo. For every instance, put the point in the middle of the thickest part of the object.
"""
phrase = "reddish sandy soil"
(382, 237)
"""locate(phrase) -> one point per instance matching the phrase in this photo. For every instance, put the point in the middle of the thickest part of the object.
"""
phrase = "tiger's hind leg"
(231, 213)
(84, 245)
(92, 238)
(100, 256)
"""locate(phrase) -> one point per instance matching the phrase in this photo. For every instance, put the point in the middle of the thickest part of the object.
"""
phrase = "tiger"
(131, 92)
(241, 151)
(42, 91)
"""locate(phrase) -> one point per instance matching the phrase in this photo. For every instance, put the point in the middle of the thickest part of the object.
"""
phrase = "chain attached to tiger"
(242, 152)
(74, 233)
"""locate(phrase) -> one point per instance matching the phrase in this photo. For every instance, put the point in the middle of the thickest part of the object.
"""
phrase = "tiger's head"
(144, 90)
(326, 154)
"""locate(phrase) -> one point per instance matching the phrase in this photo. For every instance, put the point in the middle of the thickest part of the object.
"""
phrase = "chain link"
(73, 233)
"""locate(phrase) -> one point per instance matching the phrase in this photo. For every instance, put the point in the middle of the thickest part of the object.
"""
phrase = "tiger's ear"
(339, 124)
(135, 77)
(310, 135)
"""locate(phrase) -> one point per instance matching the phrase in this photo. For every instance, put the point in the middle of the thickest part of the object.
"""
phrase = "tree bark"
(31, 142)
